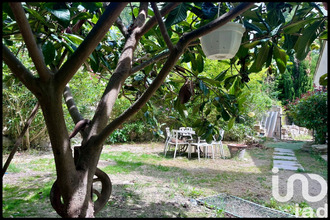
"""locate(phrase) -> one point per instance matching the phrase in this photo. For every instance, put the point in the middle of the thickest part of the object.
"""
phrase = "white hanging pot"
(224, 42)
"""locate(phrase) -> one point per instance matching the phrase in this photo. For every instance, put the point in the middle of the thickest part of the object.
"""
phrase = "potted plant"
(224, 42)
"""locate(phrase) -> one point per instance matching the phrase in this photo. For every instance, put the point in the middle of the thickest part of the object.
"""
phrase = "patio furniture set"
(182, 139)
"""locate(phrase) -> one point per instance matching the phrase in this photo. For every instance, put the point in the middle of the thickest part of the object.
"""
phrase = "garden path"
(285, 159)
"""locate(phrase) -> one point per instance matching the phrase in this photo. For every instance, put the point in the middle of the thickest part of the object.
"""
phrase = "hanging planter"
(224, 42)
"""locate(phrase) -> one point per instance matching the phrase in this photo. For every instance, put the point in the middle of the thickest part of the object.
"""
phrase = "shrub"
(311, 111)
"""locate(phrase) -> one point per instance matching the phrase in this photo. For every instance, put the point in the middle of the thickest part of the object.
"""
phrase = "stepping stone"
(325, 157)
(288, 154)
(282, 150)
(287, 165)
(281, 157)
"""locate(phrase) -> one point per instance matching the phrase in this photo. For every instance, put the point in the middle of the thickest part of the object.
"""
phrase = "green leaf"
(230, 81)
(77, 40)
(35, 14)
(324, 80)
(62, 15)
(210, 81)
(231, 123)
(261, 58)
(296, 26)
(324, 35)
(203, 87)
(193, 61)
(221, 75)
(276, 30)
(303, 43)
(92, 6)
(48, 50)
(176, 15)
(200, 63)
(225, 115)
(251, 26)
(281, 58)
(252, 44)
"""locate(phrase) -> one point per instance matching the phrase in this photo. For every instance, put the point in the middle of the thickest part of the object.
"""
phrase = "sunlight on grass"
(293, 145)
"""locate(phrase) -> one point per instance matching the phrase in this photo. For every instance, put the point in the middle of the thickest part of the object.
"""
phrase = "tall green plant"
(311, 111)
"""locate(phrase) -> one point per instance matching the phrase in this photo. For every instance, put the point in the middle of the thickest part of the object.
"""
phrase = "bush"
(311, 111)
(238, 132)
(135, 131)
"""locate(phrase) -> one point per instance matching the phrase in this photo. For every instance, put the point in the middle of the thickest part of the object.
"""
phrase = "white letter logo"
(304, 183)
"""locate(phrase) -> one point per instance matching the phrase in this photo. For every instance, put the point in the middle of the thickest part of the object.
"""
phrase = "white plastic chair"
(172, 139)
(219, 143)
(199, 144)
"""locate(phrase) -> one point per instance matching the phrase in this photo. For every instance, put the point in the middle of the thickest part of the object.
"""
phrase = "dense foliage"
(311, 111)
(216, 88)
(297, 78)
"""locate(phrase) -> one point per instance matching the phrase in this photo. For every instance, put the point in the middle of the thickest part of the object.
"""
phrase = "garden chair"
(186, 136)
(202, 144)
(172, 139)
(218, 143)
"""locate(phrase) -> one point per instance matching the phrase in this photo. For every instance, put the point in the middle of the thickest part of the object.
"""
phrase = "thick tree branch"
(112, 90)
(122, 27)
(158, 81)
(70, 67)
(121, 72)
(156, 58)
(35, 53)
(162, 26)
(71, 105)
(150, 61)
(153, 21)
(19, 70)
(217, 23)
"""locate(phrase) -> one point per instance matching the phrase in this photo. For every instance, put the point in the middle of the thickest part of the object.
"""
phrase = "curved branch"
(71, 105)
(70, 67)
(19, 70)
(144, 98)
(217, 23)
(122, 27)
(149, 62)
(162, 26)
(35, 53)
(20, 138)
(152, 21)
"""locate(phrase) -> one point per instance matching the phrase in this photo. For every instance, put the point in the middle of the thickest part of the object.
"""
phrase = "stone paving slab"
(285, 159)
(287, 165)
(281, 157)
(280, 153)
(282, 150)
(325, 157)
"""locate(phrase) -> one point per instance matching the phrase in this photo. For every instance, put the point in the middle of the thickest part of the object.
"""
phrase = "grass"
(169, 178)
(293, 145)
(27, 199)
(312, 163)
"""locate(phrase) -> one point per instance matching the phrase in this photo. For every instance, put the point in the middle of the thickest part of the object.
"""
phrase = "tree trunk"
(26, 140)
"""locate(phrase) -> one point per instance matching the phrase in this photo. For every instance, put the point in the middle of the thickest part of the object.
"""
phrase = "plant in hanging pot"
(224, 42)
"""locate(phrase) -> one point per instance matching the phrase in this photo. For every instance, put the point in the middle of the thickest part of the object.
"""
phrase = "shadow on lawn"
(126, 203)
(191, 180)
